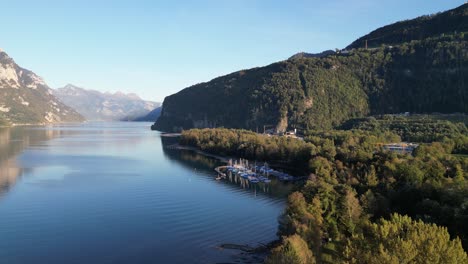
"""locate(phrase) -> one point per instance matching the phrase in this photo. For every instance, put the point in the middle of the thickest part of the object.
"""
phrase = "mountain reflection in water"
(111, 193)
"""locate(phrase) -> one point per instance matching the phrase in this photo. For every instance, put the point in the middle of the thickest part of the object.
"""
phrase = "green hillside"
(450, 22)
(279, 94)
(421, 76)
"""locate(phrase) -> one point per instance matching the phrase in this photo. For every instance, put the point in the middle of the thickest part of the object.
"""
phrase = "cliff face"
(290, 93)
(422, 76)
(26, 98)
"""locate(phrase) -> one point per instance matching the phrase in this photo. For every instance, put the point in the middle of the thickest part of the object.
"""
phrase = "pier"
(221, 175)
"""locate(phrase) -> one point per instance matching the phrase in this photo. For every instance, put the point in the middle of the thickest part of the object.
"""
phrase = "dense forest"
(424, 75)
(361, 203)
(417, 128)
(454, 20)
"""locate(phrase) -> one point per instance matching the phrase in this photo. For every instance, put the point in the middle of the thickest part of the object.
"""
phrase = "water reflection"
(8, 175)
(193, 160)
(110, 193)
(13, 140)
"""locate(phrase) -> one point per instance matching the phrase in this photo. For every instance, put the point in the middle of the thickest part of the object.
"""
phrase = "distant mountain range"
(98, 106)
(417, 66)
(26, 99)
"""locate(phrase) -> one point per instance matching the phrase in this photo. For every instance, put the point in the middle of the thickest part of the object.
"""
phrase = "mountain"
(95, 105)
(449, 22)
(26, 99)
(422, 76)
(151, 116)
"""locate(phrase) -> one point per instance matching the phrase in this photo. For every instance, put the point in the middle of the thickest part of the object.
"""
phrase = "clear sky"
(156, 48)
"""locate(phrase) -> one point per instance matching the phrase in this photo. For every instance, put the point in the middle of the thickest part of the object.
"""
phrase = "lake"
(112, 193)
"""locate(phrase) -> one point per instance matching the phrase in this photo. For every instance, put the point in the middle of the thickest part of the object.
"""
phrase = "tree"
(371, 179)
(294, 250)
(403, 240)
(350, 210)
(321, 167)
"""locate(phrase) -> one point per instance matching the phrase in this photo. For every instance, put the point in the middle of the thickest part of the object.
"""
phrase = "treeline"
(253, 146)
(419, 128)
(350, 210)
(340, 212)
(291, 151)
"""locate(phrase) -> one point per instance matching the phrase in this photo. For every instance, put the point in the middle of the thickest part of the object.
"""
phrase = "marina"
(251, 172)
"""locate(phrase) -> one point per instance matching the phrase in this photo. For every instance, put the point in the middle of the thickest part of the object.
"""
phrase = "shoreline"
(226, 159)
(171, 134)
(177, 146)
(41, 124)
(78, 122)
(251, 254)
(261, 251)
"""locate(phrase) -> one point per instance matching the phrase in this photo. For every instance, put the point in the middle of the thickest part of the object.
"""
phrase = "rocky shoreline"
(249, 254)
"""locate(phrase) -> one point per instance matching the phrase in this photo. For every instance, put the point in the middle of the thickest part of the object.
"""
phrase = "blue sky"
(156, 48)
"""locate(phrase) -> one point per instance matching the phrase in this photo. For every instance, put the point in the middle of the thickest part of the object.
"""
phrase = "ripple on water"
(109, 193)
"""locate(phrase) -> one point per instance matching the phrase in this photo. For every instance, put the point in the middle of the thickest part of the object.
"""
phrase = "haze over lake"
(110, 193)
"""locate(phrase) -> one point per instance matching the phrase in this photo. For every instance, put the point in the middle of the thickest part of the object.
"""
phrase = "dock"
(220, 173)
(251, 173)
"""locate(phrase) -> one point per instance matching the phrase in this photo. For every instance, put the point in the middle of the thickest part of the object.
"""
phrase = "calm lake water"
(111, 193)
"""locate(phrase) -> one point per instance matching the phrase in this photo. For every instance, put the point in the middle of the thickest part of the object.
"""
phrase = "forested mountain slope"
(449, 22)
(422, 76)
